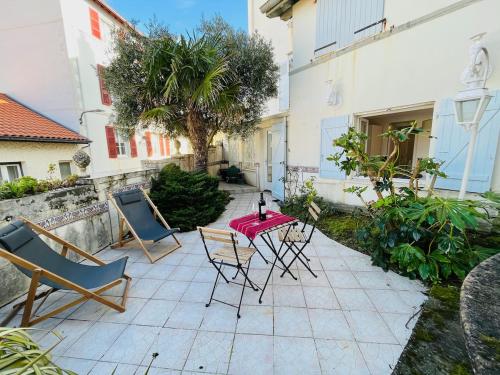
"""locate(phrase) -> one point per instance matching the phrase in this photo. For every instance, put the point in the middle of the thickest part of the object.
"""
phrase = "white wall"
(275, 30)
(35, 157)
(84, 53)
(422, 64)
(34, 68)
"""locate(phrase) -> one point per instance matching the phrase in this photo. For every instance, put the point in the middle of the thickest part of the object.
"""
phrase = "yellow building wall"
(35, 157)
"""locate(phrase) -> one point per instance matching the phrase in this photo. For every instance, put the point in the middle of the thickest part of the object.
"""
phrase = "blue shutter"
(331, 128)
(337, 20)
(367, 12)
(453, 140)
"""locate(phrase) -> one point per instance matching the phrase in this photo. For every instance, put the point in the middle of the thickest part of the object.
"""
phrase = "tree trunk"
(198, 134)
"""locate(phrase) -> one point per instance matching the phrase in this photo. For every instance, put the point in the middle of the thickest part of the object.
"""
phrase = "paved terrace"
(350, 320)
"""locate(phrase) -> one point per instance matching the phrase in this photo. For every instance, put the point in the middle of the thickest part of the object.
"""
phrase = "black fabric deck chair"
(134, 208)
(20, 244)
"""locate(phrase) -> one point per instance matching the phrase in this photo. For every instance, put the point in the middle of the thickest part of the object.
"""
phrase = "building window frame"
(122, 145)
(5, 171)
(66, 163)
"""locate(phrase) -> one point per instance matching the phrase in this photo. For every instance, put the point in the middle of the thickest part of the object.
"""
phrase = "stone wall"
(480, 316)
(81, 215)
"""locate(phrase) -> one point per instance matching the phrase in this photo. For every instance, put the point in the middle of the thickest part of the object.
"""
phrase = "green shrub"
(187, 199)
(424, 237)
(28, 186)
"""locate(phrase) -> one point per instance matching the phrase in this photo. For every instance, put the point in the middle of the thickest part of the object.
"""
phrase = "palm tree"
(190, 87)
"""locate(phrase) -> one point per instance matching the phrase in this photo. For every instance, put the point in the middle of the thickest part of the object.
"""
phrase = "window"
(65, 169)
(105, 95)
(95, 26)
(417, 145)
(10, 171)
(122, 144)
(341, 22)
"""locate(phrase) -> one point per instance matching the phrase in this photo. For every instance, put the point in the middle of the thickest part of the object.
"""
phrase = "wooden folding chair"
(134, 208)
(21, 245)
(296, 236)
(229, 255)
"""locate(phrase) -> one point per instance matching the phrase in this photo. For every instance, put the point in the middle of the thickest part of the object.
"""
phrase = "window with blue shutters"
(341, 22)
(331, 128)
(452, 141)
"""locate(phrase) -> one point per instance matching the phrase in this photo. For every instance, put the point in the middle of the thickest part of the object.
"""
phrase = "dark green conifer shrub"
(187, 199)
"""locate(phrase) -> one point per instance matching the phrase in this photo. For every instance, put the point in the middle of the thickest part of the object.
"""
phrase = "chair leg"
(215, 285)
(241, 297)
(245, 275)
(297, 256)
(25, 322)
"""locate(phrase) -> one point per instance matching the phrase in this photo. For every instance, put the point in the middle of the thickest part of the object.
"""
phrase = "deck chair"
(296, 239)
(21, 245)
(229, 255)
(134, 208)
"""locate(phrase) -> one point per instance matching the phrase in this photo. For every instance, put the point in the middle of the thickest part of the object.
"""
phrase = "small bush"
(28, 186)
(188, 199)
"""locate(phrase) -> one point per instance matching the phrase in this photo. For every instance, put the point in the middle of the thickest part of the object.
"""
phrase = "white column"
(468, 160)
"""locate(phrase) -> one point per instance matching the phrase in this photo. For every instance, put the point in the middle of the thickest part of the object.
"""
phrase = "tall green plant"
(424, 236)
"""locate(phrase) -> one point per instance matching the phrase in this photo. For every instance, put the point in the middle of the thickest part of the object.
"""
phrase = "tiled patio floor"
(350, 320)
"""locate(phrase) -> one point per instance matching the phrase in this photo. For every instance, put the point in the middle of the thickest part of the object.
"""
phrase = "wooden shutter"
(162, 144)
(331, 128)
(167, 145)
(95, 26)
(110, 138)
(149, 146)
(452, 141)
(133, 147)
(105, 96)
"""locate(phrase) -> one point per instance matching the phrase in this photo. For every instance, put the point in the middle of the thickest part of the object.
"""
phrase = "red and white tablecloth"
(251, 226)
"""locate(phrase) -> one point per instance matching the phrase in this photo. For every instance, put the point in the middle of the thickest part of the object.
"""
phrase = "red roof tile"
(18, 122)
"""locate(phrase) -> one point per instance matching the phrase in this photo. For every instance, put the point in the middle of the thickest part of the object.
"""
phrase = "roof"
(20, 123)
(278, 8)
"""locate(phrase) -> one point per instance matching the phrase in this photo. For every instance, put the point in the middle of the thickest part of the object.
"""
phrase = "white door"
(268, 167)
(278, 161)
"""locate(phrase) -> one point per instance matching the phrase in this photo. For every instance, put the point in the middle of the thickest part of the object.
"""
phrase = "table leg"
(256, 248)
(277, 253)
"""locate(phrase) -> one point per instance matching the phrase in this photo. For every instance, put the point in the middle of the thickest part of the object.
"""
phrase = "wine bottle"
(262, 212)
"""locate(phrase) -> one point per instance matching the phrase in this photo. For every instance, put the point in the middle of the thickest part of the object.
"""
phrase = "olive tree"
(215, 79)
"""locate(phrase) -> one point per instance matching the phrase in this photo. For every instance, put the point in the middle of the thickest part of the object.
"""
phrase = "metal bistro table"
(251, 227)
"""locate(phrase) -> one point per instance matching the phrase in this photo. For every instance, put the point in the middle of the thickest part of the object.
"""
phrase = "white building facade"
(372, 64)
(52, 53)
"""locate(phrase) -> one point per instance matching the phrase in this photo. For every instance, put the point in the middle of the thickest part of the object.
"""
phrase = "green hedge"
(188, 199)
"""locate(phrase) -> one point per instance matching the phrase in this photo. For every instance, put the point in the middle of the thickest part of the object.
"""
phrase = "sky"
(182, 15)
